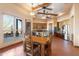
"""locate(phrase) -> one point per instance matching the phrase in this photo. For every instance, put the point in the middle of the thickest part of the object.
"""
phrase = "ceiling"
(57, 8)
(34, 4)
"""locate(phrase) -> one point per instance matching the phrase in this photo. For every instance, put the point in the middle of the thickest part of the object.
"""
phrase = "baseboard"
(8, 45)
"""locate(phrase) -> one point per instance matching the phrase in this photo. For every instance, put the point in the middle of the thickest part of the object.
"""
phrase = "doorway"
(28, 28)
(51, 29)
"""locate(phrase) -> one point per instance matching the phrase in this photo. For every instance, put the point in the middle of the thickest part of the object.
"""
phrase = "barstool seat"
(36, 48)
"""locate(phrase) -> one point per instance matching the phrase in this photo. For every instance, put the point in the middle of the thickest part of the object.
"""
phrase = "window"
(12, 28)
(18, 28)
(8, 26)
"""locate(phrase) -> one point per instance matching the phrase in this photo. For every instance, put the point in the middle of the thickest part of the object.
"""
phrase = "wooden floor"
(14, 50)
(59, 47)
(62, 47)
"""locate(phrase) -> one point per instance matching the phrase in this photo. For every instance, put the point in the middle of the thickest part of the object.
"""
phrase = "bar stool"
(31, 48)
(36, 49)
(28, 46)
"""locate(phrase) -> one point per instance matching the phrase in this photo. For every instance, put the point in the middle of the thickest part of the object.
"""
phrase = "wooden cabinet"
(39, 26)
(40, 29)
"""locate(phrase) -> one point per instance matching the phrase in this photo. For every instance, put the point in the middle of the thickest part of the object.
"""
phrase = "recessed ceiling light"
(32, 13)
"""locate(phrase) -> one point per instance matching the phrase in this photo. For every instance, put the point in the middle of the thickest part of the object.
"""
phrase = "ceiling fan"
(44, 8)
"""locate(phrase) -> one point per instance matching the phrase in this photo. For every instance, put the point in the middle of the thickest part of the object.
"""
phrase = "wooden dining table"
(43, 41)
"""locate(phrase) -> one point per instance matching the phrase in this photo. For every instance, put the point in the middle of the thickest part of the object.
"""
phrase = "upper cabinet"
(39, 26)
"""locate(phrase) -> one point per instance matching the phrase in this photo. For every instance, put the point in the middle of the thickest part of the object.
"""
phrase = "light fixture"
(46, 17)
(32, 13)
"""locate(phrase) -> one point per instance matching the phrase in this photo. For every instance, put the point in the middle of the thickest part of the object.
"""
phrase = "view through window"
(9, 28)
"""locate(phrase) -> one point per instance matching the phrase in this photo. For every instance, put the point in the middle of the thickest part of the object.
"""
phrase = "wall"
(76, 25)
(1, 34)
(68, 19)
(55, 21)
(14, 10)
(72, 23)
(65, 22)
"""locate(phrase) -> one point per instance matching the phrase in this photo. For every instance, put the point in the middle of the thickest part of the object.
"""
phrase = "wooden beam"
(39, 6)
(47, 13)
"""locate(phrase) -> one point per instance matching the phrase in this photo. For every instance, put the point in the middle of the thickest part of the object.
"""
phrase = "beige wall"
(14, 9)
(67, 19)
(72, 20)
(70, 27)
(76, 25)
(1, 34)
(65, 22)
(55, 21)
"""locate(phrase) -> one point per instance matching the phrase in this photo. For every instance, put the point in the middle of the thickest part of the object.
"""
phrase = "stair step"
(28, 54)
(28, 48)
(28, 45)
